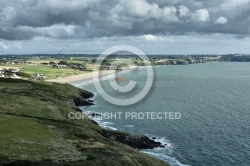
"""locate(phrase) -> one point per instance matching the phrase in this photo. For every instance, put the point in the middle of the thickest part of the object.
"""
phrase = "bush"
(22, 74)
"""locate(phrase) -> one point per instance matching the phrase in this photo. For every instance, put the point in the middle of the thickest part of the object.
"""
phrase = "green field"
(48, 71)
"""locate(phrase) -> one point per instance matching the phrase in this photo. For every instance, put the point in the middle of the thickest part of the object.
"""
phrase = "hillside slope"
(35, 129)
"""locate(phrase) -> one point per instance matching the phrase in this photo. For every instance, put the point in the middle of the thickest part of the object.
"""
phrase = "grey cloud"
(60, 19)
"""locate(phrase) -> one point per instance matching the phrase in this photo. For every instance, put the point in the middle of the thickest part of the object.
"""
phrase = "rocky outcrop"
(83, 100)
(135, 141)
(85, 94)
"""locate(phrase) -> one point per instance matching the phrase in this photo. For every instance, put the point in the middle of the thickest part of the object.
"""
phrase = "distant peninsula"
(68, 68)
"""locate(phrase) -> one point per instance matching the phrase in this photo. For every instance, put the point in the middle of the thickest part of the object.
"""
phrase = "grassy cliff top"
(35, 129)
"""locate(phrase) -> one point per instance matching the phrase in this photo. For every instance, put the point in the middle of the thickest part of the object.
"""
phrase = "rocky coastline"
(134, 141)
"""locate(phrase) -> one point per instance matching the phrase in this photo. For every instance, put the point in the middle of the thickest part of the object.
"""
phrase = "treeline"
(236, 58)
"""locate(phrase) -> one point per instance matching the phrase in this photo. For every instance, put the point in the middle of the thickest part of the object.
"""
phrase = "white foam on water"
(171, 160)
(130, 126)
(105, 125)
(111, 128)
(100, 121)
(164, 152)
(108, 123)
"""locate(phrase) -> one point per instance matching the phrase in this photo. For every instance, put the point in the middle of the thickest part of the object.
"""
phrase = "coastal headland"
(35, 129)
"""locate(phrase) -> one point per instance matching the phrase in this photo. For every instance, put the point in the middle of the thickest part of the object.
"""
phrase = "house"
(62, 66)
(38, 76)
(14, 76)
(14, 72)
(9, 72)
(1, 73)
(59, 65)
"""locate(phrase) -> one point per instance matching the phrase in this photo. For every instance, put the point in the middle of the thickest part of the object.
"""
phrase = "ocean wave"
(171, 160)
(130, 126)
(100, 121)
(103, 124)
(163, 153)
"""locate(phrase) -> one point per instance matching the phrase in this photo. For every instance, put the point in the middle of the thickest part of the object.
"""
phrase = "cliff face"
(35, 129)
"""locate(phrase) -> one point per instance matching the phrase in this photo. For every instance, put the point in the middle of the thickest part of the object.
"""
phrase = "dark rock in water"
(135, 141)
(82, 102)
(140, 142)
(85, 94)
(154, 138)
(96, 114)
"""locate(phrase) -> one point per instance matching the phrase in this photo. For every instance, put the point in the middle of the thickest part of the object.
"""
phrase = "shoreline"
(81, 77)
(86, 76)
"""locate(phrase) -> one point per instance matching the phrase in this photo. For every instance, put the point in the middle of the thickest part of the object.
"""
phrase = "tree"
(52, 63)
(93, 61)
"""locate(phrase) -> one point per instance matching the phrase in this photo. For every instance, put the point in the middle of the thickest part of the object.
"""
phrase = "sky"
(154, 26)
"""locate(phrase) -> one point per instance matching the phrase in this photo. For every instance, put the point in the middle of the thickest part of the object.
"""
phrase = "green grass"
(34, 127)
(25, 138)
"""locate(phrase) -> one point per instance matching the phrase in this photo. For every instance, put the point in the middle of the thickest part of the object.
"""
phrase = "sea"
(213, 100)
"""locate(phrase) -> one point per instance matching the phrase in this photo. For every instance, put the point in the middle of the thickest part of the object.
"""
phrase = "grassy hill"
(35, 129)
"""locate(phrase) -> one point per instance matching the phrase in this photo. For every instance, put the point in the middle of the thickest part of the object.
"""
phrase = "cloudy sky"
(154, 26)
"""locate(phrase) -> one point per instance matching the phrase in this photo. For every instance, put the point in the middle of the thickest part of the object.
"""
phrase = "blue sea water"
(214, 102)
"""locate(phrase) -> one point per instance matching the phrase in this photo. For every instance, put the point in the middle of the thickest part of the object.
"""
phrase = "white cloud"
(204, 44)
(3, 46)
(150, 37)
(183, 11)
(120, 21)
(169, 14)
(143, 9)
(7, 15)
(221, 20)
(234, 3)
(155, 11)
(56, 30)
(9, 45)
(134, 7)
(57, 6)
(201, 15)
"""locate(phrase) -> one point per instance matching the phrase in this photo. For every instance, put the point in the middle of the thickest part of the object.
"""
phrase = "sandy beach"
(80, 77)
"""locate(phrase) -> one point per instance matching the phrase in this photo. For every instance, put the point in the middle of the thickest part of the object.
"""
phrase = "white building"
(14, 76)
(1, 73)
